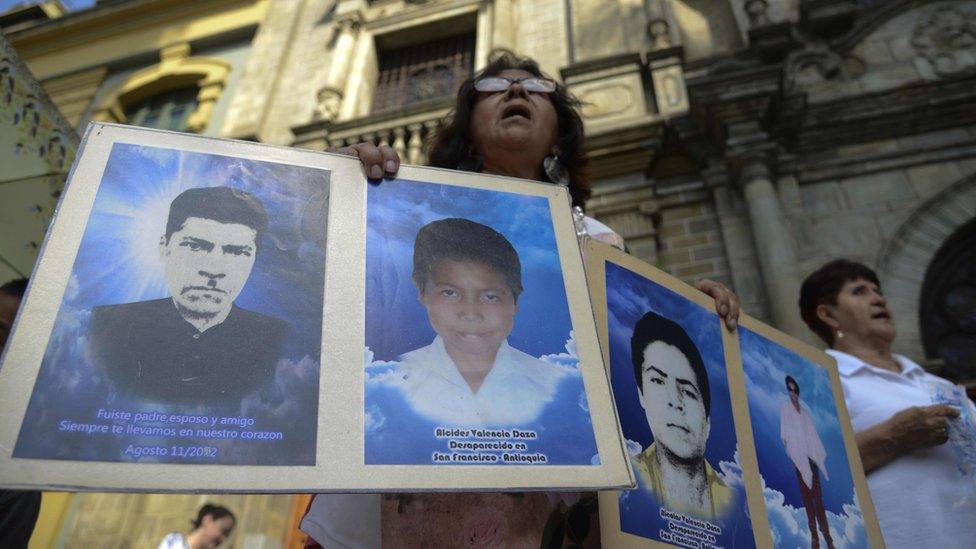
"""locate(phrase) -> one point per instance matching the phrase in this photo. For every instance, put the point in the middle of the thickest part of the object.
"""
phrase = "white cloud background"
(388, 373)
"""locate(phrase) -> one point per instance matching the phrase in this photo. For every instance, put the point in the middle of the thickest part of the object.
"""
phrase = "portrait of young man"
(674, 391)
(196, 345)
(197, 288)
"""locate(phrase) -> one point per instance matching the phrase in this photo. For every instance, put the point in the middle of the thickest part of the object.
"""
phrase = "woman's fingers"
(378, 162)
(923, 426)
(391, 160)
(726, 302)
(372, 159)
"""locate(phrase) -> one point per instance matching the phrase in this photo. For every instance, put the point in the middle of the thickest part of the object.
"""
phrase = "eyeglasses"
(494, 84)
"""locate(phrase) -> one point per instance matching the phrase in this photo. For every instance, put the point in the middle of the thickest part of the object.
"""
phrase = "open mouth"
(516, 110)
(882, 314)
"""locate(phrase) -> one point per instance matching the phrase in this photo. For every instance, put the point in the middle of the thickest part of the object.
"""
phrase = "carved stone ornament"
(817, 62)
(947, 40)
(329, 101)
(659, 32)
(757, 10)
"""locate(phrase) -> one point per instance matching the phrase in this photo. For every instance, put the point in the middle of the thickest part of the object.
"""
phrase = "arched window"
(947, 307)
(165, 111)
(178, 93)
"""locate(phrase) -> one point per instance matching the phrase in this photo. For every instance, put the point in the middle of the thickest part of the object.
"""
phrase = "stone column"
(774, 244)
(740, 249)
(331, 93)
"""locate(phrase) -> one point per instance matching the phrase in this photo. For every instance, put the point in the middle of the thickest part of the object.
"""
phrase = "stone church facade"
(748, 141)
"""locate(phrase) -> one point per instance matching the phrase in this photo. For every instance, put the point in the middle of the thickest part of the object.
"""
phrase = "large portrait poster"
(190, 328)
(198, 319)
(670, 379)
(756, 413)
(804, 454)
(470, 350)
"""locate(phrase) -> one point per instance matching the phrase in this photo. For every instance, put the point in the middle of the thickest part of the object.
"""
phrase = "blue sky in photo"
(629, 297)
(396, 322)
(118, 262)
(766, 365)
(397, 209)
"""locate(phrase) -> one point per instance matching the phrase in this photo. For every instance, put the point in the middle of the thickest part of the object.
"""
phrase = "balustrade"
(406, 135)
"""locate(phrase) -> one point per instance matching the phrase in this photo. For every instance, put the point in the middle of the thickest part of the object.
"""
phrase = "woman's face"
(215, 531)
(514, 119)
(862, 311)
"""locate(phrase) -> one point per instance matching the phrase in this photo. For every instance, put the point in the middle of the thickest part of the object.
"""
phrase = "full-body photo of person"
(806, 451)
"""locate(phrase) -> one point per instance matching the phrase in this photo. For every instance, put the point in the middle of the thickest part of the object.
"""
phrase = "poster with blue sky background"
(77, 412)
(629, 296)
(419, 410)
(766, 364)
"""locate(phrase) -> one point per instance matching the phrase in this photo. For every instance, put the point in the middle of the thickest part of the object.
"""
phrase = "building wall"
(235, 55)
(861, 217)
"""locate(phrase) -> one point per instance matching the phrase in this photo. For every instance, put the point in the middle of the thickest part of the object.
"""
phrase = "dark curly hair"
(451, 146)
(822, 288)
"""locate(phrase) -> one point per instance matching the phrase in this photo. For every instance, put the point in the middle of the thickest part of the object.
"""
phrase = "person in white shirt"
(920, 493)
(805, 449)
(212, 527)
(469, 279)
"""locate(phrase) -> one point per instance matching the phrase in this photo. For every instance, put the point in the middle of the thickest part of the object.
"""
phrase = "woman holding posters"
(923, 488)
(510, 119)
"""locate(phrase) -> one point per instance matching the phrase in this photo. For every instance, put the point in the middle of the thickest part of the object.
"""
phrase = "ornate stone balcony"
(406, 130)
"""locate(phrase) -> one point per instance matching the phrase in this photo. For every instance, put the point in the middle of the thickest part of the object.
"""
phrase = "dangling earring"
(840, 334)
(555, 170)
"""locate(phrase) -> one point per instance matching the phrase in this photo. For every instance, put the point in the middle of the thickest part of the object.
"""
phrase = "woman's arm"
(910, 429)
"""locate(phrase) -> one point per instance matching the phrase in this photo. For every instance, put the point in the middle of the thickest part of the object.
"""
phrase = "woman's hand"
(378, 162)
(910, 429)
(726, 303)
(921, 426)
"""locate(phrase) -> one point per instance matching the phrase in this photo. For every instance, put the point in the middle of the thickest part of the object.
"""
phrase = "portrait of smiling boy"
(469, 278)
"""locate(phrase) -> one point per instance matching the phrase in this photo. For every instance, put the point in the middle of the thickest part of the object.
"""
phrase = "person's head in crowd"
(11, 294)
(213, 525)
(842, 300)
(209, 247)
(793, 388)
(672, 387)
(508, 118)
(469, 279)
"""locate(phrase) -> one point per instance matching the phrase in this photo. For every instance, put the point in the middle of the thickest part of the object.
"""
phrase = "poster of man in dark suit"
(195, 346)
